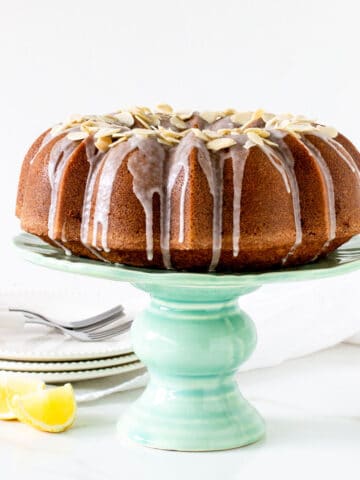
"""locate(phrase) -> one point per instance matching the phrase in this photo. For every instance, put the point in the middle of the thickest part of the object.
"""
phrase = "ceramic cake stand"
(192, 337)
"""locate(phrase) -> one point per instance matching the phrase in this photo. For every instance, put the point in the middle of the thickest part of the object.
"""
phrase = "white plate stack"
(56, 359)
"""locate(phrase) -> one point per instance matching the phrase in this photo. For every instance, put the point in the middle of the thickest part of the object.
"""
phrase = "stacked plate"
(57, 359)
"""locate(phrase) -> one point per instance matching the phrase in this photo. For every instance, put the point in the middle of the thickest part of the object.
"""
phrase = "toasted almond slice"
(330, 132)
(200, 134)
(120, 140)
(144, 121)
(241, 117)
(144, 132)
(106, 132)
(259, 131)
(269, 142)
(254, 138)
(228, 111)
(169, 139)
(103, 143)
(299, 127)
(125, 118)
(178, 123)
(210, 116)
(220, 143)
(57, 129)
(185, 115)
(164, 108)
(163, 141)
(212, 134)
(77, 135)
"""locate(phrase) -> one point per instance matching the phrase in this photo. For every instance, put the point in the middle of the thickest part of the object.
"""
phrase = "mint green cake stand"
(192, 337)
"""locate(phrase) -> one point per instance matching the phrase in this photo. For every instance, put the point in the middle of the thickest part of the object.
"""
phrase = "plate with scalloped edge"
(74, 366)
(76, 376)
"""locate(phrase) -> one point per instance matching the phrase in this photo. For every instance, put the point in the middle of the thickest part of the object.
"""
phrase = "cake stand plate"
(192, 337)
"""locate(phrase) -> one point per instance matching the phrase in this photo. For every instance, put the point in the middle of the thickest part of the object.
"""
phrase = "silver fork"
(89, 322)
(90, 336)
(88, 330)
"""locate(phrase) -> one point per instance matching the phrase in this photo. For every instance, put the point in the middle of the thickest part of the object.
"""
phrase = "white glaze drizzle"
(239, 156)
(148, 179)
(112, 162)
(59, 155)
(329, 187)
(289, 167)
(94, 158)
(213, 167)
(342, 152)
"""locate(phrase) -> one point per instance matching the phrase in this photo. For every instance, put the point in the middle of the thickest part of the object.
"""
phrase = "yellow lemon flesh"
(48, 410)
(15, 385)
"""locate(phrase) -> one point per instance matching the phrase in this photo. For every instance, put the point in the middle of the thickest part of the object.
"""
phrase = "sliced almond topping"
(220, 143)
(210, 116)
(77, 135)
(103, 143)
(185, 115)
(259, 131)
(228, 111)
(330, 132)
(200, 134)
(254, 138)
(212, 134)
(121, 139)
(164, 108)
(169, 138)
(163, 141)
(125, 118)
(269, 142)
(106, 132)
(241, 117)
(178, 123)
(57, 129)
(143, 132)
(143, 120)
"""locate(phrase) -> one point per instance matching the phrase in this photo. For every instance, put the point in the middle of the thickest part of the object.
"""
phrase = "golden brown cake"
(223, 191)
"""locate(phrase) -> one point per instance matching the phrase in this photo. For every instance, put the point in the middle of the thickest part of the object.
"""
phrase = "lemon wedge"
(15, 385)
(48, 410)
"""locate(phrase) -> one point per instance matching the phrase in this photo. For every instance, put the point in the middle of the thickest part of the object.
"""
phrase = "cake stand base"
(193, 343)
(192, 337)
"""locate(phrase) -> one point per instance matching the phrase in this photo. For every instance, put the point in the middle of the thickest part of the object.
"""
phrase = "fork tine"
(98, 325)
(111, 332)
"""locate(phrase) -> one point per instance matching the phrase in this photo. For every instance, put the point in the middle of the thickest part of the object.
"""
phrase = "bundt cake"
(223, 191)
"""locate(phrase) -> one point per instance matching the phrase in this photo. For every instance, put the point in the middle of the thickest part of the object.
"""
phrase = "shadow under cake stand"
(192, 337)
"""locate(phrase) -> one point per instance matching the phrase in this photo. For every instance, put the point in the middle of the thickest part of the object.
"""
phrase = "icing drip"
(343, 154)
(58, 158)
(324, 169)
(238, 156)
(94, 158)
(289, 168)
(213, 167)
(112, 162)
(148, 179)
(178, 161)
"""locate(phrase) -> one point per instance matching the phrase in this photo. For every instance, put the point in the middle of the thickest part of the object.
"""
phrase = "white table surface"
(312, 410)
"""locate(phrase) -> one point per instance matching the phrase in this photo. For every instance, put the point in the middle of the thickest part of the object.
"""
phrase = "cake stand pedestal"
(192, 337)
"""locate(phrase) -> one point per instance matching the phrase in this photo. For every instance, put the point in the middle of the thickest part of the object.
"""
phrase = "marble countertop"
(312, 410)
